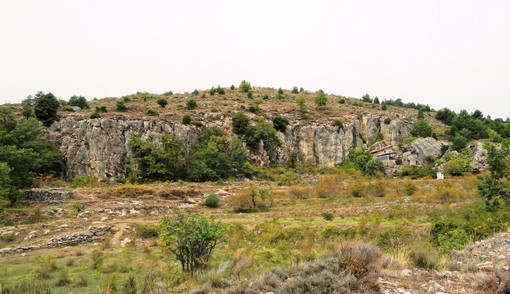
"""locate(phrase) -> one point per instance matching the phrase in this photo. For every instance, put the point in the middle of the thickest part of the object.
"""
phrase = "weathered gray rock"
(420, 150)
(50, 196)
(98, 147)
(479, 156)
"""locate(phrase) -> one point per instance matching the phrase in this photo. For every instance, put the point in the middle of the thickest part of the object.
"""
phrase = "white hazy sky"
(449, 53)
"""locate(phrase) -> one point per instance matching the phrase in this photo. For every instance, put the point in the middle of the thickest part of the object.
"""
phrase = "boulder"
(420, 150)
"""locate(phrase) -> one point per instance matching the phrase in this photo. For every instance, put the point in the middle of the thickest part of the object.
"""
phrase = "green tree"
(422, 129)
(157, 161)
(245, 86)
(495, 187)
(45, 108)
(459, 142)
(162, 102)
(366, 98)
(376, 100)
(384, 105)
(79, 101)
(280, 91)
(186, 119)
(240, 123)
(321, 99)
(358, 159)
(446, 115)
(121, 106)
(280, 123)
(263, 132)
(191, 104)
(300, 101)
(295, 90)
(191, 239)
(27, 107)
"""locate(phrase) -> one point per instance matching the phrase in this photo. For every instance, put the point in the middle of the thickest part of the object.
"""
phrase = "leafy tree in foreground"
(191, 239)
(359, 158)
(495, 187)
(24, 154)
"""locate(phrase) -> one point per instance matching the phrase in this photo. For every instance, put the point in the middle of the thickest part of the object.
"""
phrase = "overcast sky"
(438, 52)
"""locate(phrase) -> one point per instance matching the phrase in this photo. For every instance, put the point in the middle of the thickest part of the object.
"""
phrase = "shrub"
(232, 87)
(253, 200)
(249, 94)
(131, 191)
(409, 188)
(212, 91)
(300, 101)
(424, 257)
(280, 91)
(384, 106)
(375, 167)
(280, 123)
(240, 123)
(357, 190)
(212, 201)
(359, 259)
(341, 101)
(186, 119)
(168, 93)
(265, 97)
(63, 280)
(358, 159)
(300, 192)
(195, 92)
(97, 258)
(78, 207)
(101, 109)
(191, 104)
(46, 266)
(245, 86)
(387, 121)
(455, 239)
(121, 106)
(147, 231)
(152, 112)
(330, 231)
(457, 165)
(321, 99)
(95, 115)
(328, 216)
(84, 181)
(8, 237)
(295, 90)
(220, 90)
(327, 187)
(163, 102)
(191, 239)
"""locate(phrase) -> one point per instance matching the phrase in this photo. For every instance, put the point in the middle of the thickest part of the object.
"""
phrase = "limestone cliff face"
(98, 147)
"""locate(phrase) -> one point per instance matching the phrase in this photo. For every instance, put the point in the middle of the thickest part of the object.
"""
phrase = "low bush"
(84, 181)
(328, 216)
(300, 192)
(212, 201)
(253, 200)
(147, 231)
(131, 191)
(330, 232)
(409, 188)
(152, 112)
(424, 256)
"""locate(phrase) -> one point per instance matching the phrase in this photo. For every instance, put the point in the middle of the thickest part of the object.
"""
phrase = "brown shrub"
(359, 259)
(300, 192)
(132, 191)
(253, 199)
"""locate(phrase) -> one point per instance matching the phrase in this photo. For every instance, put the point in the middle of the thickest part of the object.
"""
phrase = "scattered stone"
(407, 272)
(124, 242)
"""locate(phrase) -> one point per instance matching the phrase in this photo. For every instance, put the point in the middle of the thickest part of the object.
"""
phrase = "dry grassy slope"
(234, 100)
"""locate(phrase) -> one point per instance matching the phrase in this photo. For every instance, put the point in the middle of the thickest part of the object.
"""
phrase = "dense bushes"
(157, 161)
(252, 135)
(362, 160)
(347, 270)
(280, 123)
(215, 157)
(24, 154)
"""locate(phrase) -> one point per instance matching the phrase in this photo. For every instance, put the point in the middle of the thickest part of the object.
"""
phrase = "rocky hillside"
(98, 147)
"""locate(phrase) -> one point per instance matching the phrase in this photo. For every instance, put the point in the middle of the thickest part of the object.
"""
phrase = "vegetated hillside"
(95, 140)
(130, 215)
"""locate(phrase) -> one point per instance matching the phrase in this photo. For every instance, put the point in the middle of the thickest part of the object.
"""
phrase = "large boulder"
(479, 156)
(420, 150)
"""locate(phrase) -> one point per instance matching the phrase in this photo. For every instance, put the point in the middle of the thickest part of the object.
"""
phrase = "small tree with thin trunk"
(191, 238)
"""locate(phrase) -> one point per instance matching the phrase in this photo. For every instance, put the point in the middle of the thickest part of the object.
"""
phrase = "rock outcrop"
(99, 147)
(420, 150)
